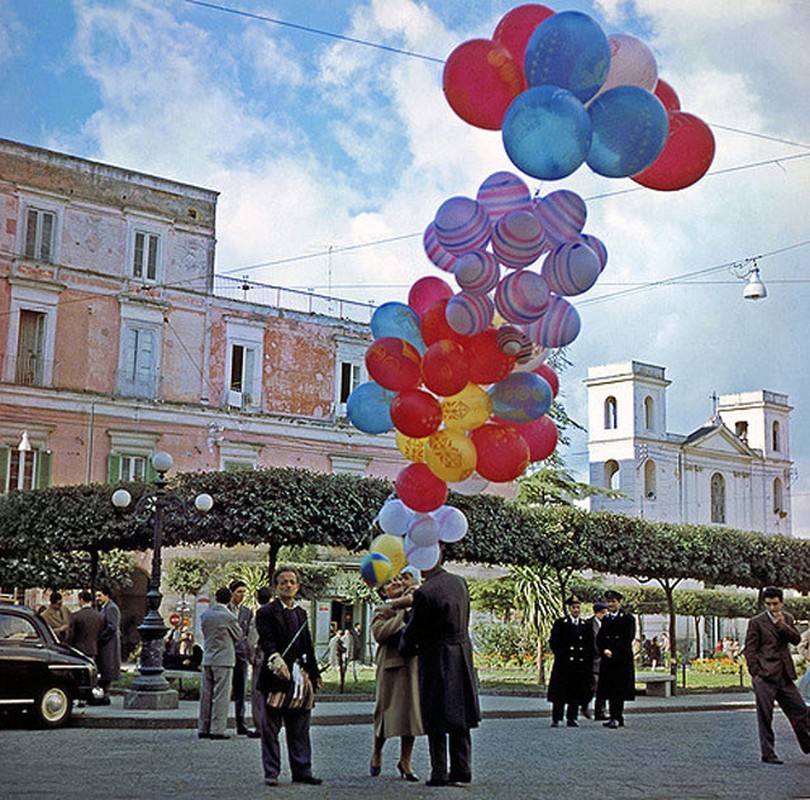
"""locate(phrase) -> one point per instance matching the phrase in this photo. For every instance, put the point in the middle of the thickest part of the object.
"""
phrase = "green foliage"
(504, 643)
(494, 596)
(350, 588)
(315, 578)
(555, 486)
(187, 574)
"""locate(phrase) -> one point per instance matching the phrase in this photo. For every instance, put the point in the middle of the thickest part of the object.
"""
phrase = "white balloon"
(539, 355)
(472, 485)
(424, 530)
(422, 557)
(452, 523)
(395, 517)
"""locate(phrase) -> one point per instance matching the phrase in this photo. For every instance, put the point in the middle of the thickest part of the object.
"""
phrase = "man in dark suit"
(772, 672)
(572, 643)
(438, 633)
(617, 673)
(244, 617)
(599, 611)
(85, 626)
(285, 640)
(108, 659)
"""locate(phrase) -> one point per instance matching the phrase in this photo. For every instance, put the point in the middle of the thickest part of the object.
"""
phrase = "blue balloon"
(400, 321)
(369, 408)
(520, 397)
(630, 128)
(568, 50)
(546, 132)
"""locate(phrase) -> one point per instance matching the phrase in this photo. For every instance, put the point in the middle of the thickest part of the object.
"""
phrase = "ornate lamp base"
(153, 701)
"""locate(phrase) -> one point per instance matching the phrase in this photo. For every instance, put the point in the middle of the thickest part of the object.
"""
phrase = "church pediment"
(718, 439)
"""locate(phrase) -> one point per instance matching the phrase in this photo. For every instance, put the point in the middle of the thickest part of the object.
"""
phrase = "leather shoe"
(203, 735)
(555, 724)
(572, 723)
(771, 760)
(437, 782)
(249, 733)
(466, 778)
(310, 779)
(611, 723)
(271, 782)
(219, 736)
(586, 713)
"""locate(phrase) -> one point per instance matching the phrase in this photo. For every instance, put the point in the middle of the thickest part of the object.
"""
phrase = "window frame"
(250, 337)
(38, 298)
(611, 410)
(34, 250)
(140, 271)
(717, 498)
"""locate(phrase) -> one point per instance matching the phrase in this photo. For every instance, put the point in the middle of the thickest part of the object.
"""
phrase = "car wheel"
(53, 706)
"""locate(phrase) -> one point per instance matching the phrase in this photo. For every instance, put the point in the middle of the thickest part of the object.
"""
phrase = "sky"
(319, 143)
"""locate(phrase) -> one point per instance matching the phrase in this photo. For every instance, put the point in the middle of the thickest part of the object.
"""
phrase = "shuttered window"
(145, 256)
(39, 231)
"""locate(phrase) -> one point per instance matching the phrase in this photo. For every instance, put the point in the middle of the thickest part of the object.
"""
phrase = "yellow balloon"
(451, 455)
(393, 548)
(412, 449)
(469, 409)
(498, 320)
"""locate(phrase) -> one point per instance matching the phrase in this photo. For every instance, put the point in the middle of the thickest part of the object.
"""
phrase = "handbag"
(300, 694)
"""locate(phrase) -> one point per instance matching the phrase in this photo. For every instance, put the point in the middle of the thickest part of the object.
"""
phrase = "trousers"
(460, 756)
(784, 692)
(299, 748)
(215, 696)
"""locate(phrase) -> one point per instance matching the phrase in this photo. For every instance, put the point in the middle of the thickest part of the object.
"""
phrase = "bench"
(179, 674)
(657, 684)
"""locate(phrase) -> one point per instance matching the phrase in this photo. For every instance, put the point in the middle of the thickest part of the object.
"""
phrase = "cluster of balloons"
(563, 93)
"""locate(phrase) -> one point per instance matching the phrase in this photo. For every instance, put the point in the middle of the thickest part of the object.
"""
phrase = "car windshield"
(17, 628)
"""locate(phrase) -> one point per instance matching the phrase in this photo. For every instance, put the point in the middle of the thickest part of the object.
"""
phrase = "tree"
(494, 596)
(534, 596)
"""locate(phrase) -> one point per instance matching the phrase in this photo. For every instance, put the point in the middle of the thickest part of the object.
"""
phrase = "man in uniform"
(617, 673)
(599, 611)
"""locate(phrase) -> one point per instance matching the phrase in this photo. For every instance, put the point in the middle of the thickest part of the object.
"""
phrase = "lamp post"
(151, 689)
(23, 448)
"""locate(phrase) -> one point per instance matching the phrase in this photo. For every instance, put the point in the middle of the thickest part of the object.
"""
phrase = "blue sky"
(315, 142)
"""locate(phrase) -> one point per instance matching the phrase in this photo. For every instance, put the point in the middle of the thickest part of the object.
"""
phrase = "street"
(664, 755)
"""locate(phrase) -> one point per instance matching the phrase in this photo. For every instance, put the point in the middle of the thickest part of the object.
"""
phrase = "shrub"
(503, 643)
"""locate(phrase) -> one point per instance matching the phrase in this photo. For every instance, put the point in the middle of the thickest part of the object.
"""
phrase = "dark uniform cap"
(610, 594)
(573, 601)
(599, 607)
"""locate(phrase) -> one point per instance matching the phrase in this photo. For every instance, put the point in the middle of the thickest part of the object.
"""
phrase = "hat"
(599, 607)
(412, 570)
(573, 600)
(612, 594)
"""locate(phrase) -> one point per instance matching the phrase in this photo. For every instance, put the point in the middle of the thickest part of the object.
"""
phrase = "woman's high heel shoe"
(373, 771)
(407, 776)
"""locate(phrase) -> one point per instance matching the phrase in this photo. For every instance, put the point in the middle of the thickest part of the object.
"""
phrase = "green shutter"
(113, 468)
(150, 473)
(3, 469)
(44, 469)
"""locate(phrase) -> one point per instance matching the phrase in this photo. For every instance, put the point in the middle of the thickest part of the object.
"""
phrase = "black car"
(39, 673)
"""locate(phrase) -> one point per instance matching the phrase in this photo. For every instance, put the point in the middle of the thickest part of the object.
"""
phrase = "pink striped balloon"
(462, 224)
(518, 239)
(477, 272)
(571, 269)
(558, 327)
(598, 247)
(563, 215)
(435, 252)
(514, 342)
(502, 193)
(469, 314)
(522, 297)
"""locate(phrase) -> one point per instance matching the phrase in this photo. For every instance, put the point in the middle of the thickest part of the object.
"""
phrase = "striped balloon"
(518, 239)
(598, 247)
(477, 272)
(435, 252)
(522, 297)
(502, 193)
(469, 314)
(571, 269)
(514, 342)
(462, 224)
(558, 327)
(563, 215)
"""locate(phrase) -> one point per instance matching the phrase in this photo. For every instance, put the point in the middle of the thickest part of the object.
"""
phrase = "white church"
(733, 470)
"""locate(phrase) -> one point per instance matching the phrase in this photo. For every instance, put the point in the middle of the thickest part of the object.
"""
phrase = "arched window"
(649, 479)
(612, 475)
(718, 488)
(648, 412)
(611, 421)
(778, 499)
(776, 443)
(741, 429)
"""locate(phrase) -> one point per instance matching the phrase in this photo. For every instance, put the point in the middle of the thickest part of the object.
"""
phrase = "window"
(21, 471)
(139, 366)
(778, 498)
(15, 629)
(741, 429)
(40, 226)
(612, 475)
(718, 493)
(145, 256)
(611, 420)
(649, 479)
(30, 365)
(242, 386)
(775, 437)
(648, 413)
(133, 468)
(130, 456)
(350, 370)
(350, 378)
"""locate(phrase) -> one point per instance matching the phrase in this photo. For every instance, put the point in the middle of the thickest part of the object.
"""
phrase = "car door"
(23, 657)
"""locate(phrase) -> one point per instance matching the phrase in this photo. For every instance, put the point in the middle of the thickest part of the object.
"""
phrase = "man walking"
(772, 672)
(108, 660)
(573, 646)
(438, 633)
(221, 632)
(617, 673)
(85, 626)
(244, 617)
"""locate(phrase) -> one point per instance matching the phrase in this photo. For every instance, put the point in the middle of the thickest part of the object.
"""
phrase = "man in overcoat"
(109, 642)
(438, 633)
(617, 673)
(599, 611)
(85, 626)
(767, 654)
(284, 637)
(244, 616)
(572, 643)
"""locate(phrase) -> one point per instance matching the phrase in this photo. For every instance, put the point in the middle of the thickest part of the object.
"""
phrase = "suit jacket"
(438, 633)
(221, 632)
(277, 625)
(617, 674)
(244, 616)
(108, 659)
(573, 648)
(85, 626)
(766, 647)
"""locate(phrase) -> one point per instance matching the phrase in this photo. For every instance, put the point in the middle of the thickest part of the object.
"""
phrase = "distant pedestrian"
(221, 632)
(57, 616)
(655, 652)
(263, 597)
(337, 652)
(109, 642)
(357, 647)
(244, 617)
(617, 677)
(767, 654)
(85, 626)
(599, 611)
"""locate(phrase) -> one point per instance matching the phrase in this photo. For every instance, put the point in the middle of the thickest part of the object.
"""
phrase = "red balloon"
(445, 368)
(488, 363)
(686, 156)
(420, 489)
(480, 80)
(394, 363)
(516, 28)
(666, 94)
(502, 452)
(416, 413)
(427, 291)
(550, 377)
(434, 325)
(541, 436)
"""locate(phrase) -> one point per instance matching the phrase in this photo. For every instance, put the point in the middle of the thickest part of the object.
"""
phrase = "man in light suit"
(244, 656)
(221, 632)
(772, 672)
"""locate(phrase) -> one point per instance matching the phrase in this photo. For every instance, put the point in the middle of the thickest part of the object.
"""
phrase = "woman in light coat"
(397, 710)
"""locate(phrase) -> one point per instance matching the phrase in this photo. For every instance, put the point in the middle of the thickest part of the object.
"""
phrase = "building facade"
(734, 470)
